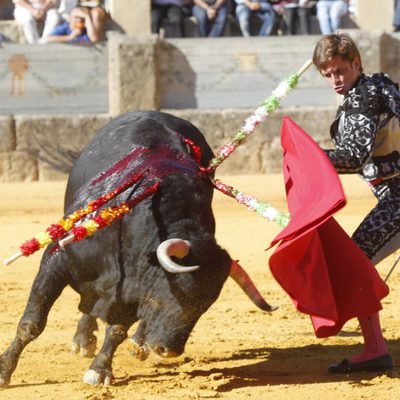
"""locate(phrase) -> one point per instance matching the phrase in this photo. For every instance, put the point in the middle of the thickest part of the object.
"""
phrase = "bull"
(159, 265)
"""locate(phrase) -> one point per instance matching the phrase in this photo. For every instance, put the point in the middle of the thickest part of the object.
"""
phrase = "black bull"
(119, 271)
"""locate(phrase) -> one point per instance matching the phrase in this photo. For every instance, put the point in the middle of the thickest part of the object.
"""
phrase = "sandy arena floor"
(235, 352)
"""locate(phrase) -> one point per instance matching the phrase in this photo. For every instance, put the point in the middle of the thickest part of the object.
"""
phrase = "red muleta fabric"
(324, 272)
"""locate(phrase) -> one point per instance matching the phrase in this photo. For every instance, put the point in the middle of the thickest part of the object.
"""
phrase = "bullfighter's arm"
(356, 143)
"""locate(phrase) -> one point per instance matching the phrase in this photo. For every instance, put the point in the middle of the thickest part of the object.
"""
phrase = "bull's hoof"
(4, 382)
(5, 374)
(87, 351)
(165, 353)
(140, 352)
(92, 377)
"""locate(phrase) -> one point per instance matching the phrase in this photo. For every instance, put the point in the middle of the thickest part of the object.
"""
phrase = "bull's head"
(167, 323)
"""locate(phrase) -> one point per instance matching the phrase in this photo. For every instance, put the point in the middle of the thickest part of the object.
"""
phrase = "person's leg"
(53, 18)
(289, 14)
(304, 20)
(202, 21)
(396, 21)
(218, 25)
(268, 17)
(375, 355)
(29, 25)
(99, 16)
(243, 15)
(157, 14)
(374, 342)
(378, 236)
(324, 21)
(175, 22)
(338, 9)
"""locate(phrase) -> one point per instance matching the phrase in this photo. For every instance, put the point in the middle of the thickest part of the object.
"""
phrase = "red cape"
(321, 268)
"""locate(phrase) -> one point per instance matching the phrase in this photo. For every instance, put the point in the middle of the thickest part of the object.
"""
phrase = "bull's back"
(118, 138)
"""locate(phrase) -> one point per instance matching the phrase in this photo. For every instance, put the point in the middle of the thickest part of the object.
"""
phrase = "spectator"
(262, 9)
(97, 11)
(396, 22)
(172, 12)
(211, 16)
(297, 16)
(330, 13)
(78, 29)
(29, 12)
(6, 10)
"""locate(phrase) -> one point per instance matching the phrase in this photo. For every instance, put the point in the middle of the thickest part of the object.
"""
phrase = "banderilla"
(392, 269)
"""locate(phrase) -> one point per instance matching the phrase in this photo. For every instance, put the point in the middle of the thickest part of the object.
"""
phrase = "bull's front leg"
(84, 340)
(46, 288)
(100, 371)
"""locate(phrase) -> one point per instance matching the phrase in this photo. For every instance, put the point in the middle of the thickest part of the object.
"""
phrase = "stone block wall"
(12, 31)
(136, 69)
(53, 79)
(227, 72)
(25, 140)
(262, 151)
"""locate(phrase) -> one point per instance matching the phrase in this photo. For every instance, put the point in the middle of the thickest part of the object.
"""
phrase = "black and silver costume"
(366, 134)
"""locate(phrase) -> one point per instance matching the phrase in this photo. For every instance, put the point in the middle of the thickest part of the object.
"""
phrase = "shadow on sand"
(273, 366)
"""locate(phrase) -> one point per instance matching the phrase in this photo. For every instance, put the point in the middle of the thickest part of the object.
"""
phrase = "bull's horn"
(174, 247)
(240, 276)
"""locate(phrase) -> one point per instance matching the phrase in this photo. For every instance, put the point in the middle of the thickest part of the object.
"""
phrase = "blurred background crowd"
(79, 21)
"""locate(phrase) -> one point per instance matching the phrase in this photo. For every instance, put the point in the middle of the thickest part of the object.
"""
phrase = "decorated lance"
(77, 228)
(268, 106)
(71, 229)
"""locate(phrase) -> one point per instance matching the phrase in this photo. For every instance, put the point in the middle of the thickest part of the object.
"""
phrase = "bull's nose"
(164, 352)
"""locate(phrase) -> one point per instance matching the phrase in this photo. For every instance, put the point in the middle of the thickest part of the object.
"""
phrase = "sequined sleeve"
(355, 143)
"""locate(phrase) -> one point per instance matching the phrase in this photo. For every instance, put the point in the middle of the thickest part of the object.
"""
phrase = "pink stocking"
(374, 342)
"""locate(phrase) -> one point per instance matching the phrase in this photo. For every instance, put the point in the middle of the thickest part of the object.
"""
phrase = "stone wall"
(138, 79)
(26, 140)
(227, 72)
(12, 31)
(53, 79)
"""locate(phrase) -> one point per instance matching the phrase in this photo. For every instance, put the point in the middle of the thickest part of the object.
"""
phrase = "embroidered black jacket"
(366, 130)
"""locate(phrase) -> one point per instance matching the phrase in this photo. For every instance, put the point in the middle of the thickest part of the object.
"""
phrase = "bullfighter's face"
(341, 74)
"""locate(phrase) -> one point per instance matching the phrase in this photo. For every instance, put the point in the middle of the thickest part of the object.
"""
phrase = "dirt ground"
(235, 351)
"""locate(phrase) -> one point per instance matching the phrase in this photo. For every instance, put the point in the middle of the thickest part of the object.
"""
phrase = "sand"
(235, 352)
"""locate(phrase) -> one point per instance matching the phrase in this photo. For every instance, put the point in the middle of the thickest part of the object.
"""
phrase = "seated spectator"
(78, 29)
(297, 15)
(396, 22)
(211, 16)
(97, 11)
(172, 12)
(29, 13)
(330, 13)
(7, 9)
(262, 9)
